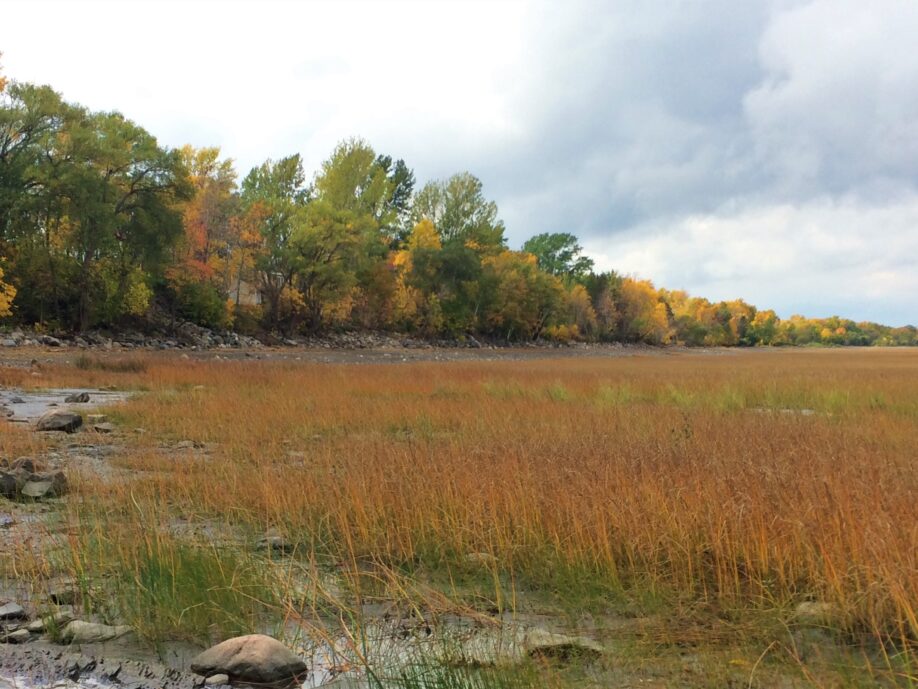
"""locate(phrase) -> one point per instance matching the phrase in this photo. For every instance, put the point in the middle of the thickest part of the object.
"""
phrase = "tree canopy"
(101, 225)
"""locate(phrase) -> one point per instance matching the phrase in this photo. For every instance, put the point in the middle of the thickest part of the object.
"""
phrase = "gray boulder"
(255, 659)
(20, 636)
(77, 398)
(79, 632)
(64, 421)
(12, 611)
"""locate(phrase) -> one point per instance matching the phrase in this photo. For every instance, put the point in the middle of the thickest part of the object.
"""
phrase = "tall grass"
(747, 481)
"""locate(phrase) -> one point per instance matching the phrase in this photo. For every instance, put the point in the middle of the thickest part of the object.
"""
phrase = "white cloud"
(825, 257)
(766, 150)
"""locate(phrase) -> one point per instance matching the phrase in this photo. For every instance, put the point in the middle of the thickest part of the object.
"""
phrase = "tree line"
(100, 225)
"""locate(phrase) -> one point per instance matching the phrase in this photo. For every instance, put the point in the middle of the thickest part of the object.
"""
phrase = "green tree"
(273, 197)
(560, 254)
(460, 212)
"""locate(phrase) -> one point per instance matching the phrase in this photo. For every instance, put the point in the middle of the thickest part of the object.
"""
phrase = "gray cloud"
(765, 149)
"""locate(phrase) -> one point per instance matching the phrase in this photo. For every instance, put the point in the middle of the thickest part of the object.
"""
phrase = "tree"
(396, 223)
(328, 244)
(461, 214)
(644, 315)
(7, 294)
(520, 299)
(273, 197)
(559, 254)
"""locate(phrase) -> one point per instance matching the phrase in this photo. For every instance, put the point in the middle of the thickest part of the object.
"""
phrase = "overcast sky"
(758, 150)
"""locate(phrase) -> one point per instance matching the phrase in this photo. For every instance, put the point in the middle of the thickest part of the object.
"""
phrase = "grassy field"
(693, 500)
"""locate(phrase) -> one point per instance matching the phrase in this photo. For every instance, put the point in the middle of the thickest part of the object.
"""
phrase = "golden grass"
(745, 480)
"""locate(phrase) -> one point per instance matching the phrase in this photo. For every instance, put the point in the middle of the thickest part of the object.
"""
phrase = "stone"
(53, 621)
(541, 643)
(103, 427)
(64, 421)
(79, 632)
(96, 418)
(12, 611)
(216, 680)
(36, 489)
(25, 464)
(273, 540)
(9, 485)
(255, 659)
(481, 559)
(49, 341)
(818, 613)
(17, 400)
(78, 398)
(20, 636)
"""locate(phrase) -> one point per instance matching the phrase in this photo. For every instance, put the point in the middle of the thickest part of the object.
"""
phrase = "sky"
(764, 149)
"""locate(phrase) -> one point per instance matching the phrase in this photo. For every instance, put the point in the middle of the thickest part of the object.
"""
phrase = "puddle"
(28, 406)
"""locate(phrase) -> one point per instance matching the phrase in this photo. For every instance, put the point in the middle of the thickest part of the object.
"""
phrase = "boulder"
(103, 427)
(541, 643)
(216, 680)
(818, 613)
(21, 483)
(77, 398)
(9, 485)
(79, 632)
(20, 636)
(64, 421)
(255, 659)
(12, 611)
(51, 621)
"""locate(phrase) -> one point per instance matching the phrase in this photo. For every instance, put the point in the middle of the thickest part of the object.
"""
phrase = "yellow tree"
(520, 300)
(413, 307)
(644, 315)
(7, 294)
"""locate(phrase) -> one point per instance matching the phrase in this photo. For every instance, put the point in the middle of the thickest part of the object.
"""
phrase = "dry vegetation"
(728, 487)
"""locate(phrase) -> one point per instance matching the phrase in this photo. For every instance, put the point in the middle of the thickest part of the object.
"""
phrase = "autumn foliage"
(101, 225)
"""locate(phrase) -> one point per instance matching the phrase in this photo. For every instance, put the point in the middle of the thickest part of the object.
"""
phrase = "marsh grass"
(132, 364)
(740, 485)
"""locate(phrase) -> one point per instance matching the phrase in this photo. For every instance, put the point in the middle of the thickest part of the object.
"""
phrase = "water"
(30, 405)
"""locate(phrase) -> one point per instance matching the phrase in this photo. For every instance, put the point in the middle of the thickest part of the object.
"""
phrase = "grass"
(677, 488)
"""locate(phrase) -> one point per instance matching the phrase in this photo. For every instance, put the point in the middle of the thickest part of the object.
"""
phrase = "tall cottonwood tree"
(273, 197)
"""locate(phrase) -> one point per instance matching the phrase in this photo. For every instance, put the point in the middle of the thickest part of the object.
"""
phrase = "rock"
(53, 621)
(20, 636)
(103, 427)
(49, 341)
(818, 613)
(12, 611)
(79, 632)
(64, 421)
(77, 398)
(36, 489)
(485, 559)
(25, 464)
(17, 400)
(273, 540)
(256, 659)
(21, 483)
(216, 680)
(9, 485)
(514, 644)
(96, 418)
(541, 643)
(64, 592)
